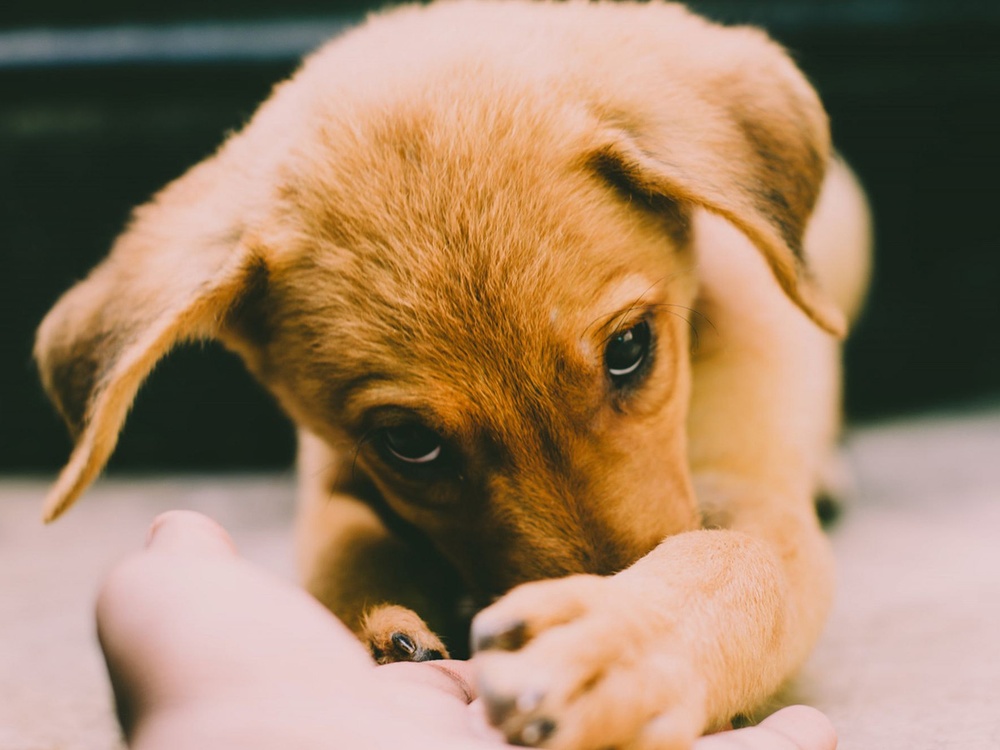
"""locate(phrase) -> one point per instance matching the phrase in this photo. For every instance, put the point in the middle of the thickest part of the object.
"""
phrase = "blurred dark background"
(103, 102)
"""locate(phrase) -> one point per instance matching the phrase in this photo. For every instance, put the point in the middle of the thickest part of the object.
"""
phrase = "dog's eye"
(626, 352)
(411, 444)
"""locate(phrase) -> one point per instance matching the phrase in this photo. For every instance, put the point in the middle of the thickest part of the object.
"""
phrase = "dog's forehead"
(493, 201)
(441, 162)
(484, 289)
(452, 248)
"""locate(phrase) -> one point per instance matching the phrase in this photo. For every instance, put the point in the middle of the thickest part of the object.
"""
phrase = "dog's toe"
(561, 665)
(395, 633)
(512, 622)
(505, 636)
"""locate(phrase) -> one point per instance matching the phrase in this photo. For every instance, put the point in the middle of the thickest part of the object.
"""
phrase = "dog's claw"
(512, 714)
(405, 649)
(537, 732)
(508, 638)
(501, 706)
(403, 642)
(498, 708)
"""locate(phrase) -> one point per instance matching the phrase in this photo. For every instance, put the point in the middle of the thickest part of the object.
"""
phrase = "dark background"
(103, 102)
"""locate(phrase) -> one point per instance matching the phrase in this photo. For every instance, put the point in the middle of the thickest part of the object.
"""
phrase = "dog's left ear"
(181, 266)
(739, 131)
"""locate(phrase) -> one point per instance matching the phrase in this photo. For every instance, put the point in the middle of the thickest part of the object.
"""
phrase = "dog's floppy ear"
(739, 131)
(171, 276)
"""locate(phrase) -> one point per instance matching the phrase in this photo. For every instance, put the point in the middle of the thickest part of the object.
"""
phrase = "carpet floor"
(910, 658)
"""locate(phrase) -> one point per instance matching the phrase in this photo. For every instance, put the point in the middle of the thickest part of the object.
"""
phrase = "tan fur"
(444, 216)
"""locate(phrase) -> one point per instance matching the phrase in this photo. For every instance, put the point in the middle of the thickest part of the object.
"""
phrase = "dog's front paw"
(393, 633)
(584, 663)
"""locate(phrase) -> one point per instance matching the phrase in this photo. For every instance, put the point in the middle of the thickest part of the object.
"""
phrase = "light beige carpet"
(910, 660)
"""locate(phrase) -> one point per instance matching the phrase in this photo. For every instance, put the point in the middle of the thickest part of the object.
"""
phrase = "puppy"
(553, 293)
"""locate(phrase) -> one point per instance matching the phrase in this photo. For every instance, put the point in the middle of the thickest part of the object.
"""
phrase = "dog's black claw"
(828, 509)
(739, 721)
(536, 732)
(498, 708)
(403, 644)
(510, 638)
(404, 648)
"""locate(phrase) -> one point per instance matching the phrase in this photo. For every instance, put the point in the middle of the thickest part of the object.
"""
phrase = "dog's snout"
(549, 542)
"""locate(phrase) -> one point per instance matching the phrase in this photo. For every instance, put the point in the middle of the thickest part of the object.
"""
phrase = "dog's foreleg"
(372, 580)
(706, 626)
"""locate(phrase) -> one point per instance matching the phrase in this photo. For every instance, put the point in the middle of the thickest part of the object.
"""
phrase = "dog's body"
(531, 280)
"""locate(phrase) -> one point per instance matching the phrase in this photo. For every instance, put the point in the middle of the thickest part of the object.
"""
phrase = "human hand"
(206, 650)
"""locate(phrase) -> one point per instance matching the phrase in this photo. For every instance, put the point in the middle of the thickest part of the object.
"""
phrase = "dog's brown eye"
(411, 444)
(626, 352)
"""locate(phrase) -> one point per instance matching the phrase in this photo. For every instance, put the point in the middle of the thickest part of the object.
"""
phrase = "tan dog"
(540, 286)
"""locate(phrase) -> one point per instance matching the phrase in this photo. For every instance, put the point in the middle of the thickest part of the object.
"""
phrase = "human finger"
(187, 615)
(450, 676)
(791, 728)
(188, 532)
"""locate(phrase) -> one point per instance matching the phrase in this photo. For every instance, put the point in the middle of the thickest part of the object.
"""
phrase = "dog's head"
(475, 283)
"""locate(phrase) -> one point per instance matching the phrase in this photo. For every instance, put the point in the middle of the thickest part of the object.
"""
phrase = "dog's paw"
(393, 633)
(583, 663)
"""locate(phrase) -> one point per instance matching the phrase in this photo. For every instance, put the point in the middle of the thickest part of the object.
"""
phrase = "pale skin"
(206, 650)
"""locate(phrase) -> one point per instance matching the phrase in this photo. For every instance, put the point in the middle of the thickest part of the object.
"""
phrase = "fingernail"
(190, 531)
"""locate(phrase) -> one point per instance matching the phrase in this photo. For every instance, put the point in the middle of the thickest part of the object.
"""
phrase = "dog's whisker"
(694, 330)
(364, 440)
(695, 312)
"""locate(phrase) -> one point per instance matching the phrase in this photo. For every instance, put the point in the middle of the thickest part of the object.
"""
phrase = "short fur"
(444, 216)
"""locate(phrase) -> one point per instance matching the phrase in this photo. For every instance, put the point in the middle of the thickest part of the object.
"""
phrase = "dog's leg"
(838, 243)
(704, 627)
(369, 578)
(712, 621)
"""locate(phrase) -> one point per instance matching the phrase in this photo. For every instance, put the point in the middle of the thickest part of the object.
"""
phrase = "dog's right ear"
(182, 263)
(726, 123)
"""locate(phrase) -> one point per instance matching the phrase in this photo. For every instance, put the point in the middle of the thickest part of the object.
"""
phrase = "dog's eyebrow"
(363, 379)
(629, 289)
(618, 317)
(625, 315)
(630, 295)
(348, 392)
